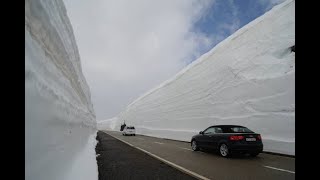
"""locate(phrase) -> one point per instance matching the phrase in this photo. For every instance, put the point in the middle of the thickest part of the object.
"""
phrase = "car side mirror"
(201, 132)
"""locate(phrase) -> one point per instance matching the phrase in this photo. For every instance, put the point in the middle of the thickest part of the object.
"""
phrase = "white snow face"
(248, 79)
(60, 125)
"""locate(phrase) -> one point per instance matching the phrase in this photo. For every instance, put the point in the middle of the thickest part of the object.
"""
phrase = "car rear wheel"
(224, 150)
(194, 145)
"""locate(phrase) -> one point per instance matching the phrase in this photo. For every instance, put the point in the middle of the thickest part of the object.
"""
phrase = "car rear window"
(240, 130)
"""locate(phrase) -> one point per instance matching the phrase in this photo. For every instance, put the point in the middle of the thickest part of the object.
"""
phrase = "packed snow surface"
(248, 79)
(60, 125)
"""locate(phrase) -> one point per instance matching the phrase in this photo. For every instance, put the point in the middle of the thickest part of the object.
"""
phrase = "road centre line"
(270, 167)
(158, 142)
(185, 148)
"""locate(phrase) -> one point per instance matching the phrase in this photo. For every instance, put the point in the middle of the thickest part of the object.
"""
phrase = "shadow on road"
(233, 156)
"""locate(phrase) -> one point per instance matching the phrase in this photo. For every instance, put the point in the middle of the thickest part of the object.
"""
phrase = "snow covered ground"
(248, 79)
(60, 125)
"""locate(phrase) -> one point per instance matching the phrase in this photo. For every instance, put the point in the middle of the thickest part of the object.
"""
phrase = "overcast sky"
(129, 46)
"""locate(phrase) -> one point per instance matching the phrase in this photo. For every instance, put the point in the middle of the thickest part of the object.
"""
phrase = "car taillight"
(236, 138)
(259, 137)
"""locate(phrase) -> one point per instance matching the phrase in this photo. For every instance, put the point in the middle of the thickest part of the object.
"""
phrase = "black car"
(228, 139)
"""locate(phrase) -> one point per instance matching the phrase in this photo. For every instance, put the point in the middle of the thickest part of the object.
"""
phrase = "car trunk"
(250, 138)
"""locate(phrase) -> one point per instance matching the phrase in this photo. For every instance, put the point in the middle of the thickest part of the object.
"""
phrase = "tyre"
(224, 150)
(134, 134)
(194, 145)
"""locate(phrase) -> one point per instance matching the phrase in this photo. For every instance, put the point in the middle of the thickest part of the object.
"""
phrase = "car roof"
(226, 126)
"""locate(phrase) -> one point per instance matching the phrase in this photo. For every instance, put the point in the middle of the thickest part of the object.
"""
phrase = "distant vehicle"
(228, 139)
(129, 130)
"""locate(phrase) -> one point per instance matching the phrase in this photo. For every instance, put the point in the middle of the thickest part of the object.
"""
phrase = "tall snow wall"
(60, 124)
(248, 79)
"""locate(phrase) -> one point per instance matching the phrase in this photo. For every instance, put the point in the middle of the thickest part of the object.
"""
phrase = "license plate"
(250, 139)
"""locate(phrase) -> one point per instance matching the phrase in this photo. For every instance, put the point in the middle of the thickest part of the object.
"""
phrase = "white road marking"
(186, 149)
(280, 169)
(158, 142)
(165, 161)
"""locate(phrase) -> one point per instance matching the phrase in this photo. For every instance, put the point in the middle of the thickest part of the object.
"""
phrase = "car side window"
(213, 130)
(218, 130)
(209, 131)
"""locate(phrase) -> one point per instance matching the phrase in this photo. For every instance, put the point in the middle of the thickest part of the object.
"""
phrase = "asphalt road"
(209, 164)
(117, 160)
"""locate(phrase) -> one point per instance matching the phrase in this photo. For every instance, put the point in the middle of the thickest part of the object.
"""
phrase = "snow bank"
(60, 125)
(248, 79)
